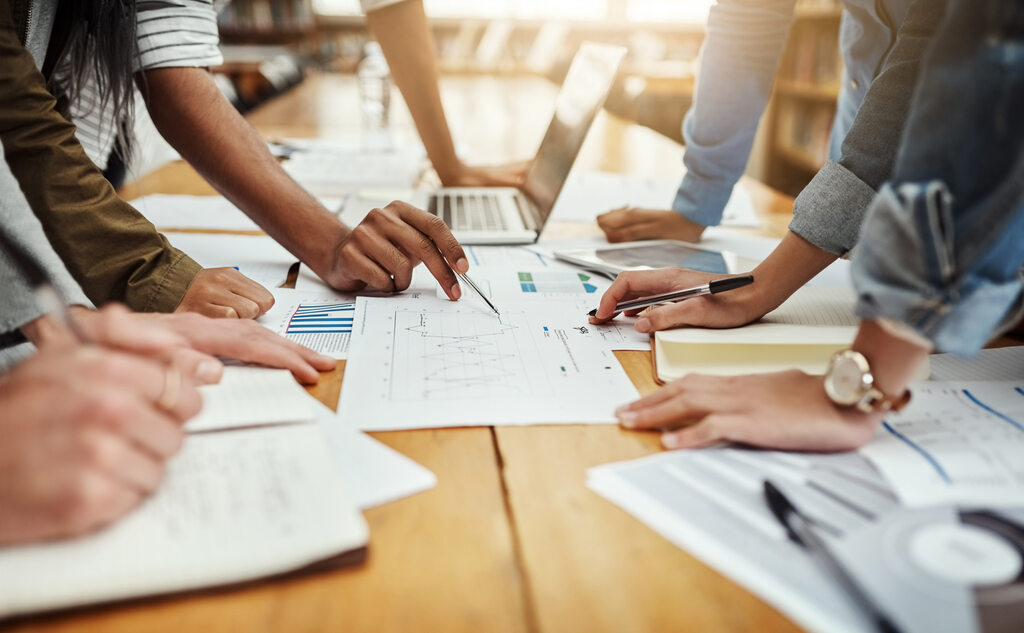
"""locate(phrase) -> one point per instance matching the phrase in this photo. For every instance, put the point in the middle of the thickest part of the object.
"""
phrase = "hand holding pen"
(633, 291)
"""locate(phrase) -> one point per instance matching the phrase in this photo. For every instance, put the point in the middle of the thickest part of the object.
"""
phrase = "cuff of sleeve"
(179, 37)
(829, 211)
(701, 201)
(172, 284)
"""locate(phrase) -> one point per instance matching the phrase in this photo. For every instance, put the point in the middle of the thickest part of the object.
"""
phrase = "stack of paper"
(234, 506)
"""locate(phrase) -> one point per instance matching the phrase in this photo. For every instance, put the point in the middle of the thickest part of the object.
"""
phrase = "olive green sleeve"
(107, 246)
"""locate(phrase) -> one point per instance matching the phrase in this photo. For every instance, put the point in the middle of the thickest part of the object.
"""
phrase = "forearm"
(404, 35)
(793, 263)
(194, 117)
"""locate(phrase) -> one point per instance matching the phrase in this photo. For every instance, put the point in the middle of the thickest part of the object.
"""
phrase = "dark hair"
(102, 50)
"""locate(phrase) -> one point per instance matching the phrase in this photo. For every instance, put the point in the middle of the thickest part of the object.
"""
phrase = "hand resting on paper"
(225, 293)
(629, 224)
(86, 433)
(191, 340)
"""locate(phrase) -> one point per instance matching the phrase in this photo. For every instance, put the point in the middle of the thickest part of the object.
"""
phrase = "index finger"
(438, 232)
(628, 285)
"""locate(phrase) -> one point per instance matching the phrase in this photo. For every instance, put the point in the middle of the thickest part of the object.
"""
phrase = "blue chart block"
(528, 287)
(335, 318)
(591, 289)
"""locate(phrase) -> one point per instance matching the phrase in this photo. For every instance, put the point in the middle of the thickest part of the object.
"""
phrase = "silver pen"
(469, 282)
(712, 287)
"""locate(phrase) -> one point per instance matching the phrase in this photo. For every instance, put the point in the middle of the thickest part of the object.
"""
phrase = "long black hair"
(101, 52)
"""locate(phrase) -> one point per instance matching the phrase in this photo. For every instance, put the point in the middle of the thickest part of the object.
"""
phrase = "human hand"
(728, 309)
(381, 251)
(785, 410)
(225, 293)
(86, 434)
(190, 340)
(629, 224)
(508, 175)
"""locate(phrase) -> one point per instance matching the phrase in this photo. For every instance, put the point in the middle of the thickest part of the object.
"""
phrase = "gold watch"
(850, 383)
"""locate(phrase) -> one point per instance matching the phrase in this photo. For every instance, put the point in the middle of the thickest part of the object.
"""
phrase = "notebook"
(235, 506)
(802, 333)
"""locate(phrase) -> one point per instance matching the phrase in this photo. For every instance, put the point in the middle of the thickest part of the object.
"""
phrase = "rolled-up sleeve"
(177, 33)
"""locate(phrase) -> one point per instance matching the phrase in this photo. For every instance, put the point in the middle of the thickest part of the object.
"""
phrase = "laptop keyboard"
(468, 212)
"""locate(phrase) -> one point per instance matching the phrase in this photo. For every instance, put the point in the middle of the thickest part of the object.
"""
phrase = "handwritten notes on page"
(955, 443)
(234, 506)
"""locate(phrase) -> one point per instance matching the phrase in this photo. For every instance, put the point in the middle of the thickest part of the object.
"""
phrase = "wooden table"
(510, 539)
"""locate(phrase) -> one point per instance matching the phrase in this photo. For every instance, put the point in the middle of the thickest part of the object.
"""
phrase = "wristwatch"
(850, 383)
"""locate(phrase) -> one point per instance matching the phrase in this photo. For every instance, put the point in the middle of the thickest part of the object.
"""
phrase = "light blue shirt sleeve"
(738, 64)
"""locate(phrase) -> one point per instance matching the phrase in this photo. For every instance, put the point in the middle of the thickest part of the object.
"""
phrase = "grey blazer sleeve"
(829, 211)
(17, 306)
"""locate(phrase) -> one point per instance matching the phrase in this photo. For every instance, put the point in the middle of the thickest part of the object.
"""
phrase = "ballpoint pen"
(469, 282)
(710, 288)
(802, 532)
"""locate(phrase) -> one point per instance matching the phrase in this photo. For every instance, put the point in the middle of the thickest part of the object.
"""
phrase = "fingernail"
(627, 419)
(643, 325)
(462, 265)
(456, 291)
(670, 440)
(209, 371)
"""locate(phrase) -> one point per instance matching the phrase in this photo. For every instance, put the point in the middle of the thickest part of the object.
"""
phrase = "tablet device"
(648, 255)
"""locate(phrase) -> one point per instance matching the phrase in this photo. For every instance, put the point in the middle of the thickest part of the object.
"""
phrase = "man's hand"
(630, 224)
(510, 175)
(382, 250)
(728, 309)
(225, 293)
(786, 410)
(86, 433)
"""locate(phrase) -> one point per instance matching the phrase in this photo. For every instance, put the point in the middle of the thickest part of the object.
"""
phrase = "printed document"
(423, 363)
(318, 320)
(258, 257)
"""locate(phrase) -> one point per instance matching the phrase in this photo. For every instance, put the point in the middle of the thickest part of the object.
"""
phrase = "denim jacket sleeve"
(829, 211)
(942, 247)
(738, 64)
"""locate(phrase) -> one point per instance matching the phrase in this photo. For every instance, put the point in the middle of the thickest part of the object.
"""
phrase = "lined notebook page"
(252, 396)
(233, 507)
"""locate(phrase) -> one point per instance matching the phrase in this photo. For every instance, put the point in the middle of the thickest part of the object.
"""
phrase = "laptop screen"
(583, 93)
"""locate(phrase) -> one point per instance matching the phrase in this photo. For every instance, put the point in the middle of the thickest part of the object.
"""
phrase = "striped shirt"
(171, 33)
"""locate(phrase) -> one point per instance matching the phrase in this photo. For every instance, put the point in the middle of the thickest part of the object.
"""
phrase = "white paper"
(251, 396)
(337, 172)
(167, 211)
(320, 321)
(711, 503)
(258, 257)
(955, 443)
(588, 194)
(234, 506)
(1004, 363)
(812, 315)
(374, 474)
(424, 363)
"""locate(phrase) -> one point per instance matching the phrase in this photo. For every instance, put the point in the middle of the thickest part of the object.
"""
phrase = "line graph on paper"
(441, 355)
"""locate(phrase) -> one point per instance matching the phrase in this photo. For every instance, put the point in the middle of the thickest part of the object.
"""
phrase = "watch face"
(845, 380)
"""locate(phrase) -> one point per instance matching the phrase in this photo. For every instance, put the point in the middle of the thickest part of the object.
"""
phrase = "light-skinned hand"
(86, 434)
(508, 175)
(786, 410)
(728, 309)
(630, 224)
(225, 293)
(382, 250)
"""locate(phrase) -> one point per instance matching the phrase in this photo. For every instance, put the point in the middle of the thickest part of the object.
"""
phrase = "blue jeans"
(942, 247)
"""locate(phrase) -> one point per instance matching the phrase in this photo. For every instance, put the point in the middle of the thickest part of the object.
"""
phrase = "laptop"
(506, 215)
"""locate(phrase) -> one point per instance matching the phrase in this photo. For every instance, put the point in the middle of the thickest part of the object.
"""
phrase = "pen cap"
(729, 283)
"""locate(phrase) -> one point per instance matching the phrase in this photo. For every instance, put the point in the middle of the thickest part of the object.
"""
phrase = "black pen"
(802, 532)
(710, 288)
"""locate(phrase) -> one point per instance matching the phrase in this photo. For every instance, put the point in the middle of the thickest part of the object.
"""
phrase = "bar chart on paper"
(319, 322)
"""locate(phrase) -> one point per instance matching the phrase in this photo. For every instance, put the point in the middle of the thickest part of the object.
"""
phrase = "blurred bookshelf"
(803, 104)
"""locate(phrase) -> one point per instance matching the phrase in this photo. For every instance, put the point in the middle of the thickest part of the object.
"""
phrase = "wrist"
(895, 361)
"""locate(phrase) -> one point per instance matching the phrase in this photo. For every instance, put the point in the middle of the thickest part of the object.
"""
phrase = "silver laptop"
(505, 215)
